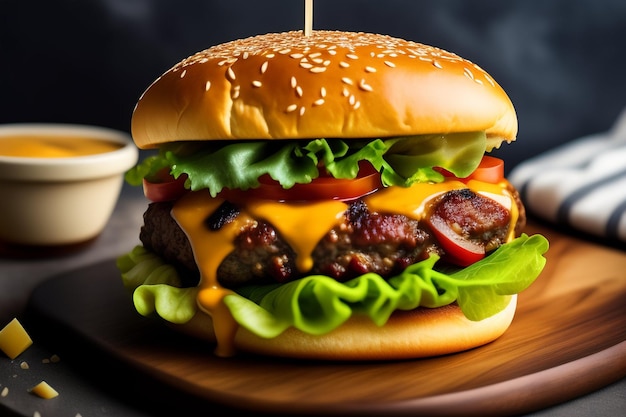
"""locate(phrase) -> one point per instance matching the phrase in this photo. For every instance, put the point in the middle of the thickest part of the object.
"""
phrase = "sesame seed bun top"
(330, 84)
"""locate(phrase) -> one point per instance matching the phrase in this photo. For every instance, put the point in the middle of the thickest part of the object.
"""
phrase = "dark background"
(87, 61)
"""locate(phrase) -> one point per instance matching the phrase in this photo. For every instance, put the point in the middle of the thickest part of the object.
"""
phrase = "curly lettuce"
(318, 304)
(401, 161)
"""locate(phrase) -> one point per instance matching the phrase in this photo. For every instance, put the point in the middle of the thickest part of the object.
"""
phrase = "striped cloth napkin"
(581, 184)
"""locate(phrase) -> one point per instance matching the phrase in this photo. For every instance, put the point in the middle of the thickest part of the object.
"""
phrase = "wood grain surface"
(568, 338)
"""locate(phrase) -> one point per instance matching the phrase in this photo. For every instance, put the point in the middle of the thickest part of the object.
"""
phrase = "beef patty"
(365, 242)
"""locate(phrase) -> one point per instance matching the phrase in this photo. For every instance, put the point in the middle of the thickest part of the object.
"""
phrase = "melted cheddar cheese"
(302, 225)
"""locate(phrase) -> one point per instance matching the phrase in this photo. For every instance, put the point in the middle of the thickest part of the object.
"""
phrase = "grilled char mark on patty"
(364, 242)
(371, 242)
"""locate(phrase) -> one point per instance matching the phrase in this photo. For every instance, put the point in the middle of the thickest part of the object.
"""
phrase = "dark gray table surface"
(83, 394)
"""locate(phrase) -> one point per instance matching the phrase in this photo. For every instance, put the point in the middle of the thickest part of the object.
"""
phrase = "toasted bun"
(329, 84)
(407, 334)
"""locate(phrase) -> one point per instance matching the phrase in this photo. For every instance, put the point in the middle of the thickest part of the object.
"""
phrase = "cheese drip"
(301, 225)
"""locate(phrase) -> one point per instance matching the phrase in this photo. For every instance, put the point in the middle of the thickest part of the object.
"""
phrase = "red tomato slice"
(321, 188)
(459, 250)
(490, 169)
(164, 187)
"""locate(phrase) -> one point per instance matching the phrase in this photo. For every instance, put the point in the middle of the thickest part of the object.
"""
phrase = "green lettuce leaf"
(238, 165)
(506, 271)
(318, 304)
(148, 167)
(156, 286)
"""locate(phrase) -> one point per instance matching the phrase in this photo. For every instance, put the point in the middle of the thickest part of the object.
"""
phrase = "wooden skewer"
(308, 17)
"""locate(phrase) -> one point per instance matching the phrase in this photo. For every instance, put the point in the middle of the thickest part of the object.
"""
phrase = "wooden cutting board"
(568, 338)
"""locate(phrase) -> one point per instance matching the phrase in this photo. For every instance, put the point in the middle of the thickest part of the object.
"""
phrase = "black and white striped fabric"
(581, 184)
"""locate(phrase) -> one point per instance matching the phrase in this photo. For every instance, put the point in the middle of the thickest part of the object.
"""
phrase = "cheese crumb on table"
(44, 390)
(14, 339)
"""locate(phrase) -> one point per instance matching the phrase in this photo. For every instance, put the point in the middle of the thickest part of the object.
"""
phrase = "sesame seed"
(245, 55)
(317, 60)
(326, 63)
(235, 92)
(437, 64)
(356, 105)
(317, 70)
(270, 56)
(256, 83)
(231, 73)
(390, 64)
(370, 69)
(306, 65)
(323, 92)
(468, 73)
(345, 92)
(291, 107)
(352, 100)
(347, 80)
(302, 110)
(478, 81)
(264, 67)
(297, 56)
(182, 74)
(352, 56)
(332, 52)
(207, 86)
(315, 55)
(228, 61)
(318, 102)
(294, 82)
(364, 86)
(284, 51)
(299, 91)
(489, 80)
(343, 64)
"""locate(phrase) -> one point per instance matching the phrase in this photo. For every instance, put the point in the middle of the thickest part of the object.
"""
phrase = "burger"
(328, 196)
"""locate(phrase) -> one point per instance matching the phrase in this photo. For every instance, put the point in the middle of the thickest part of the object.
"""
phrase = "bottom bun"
(417, 333)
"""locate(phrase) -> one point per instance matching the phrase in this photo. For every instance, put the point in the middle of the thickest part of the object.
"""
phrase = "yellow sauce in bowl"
(54, 146)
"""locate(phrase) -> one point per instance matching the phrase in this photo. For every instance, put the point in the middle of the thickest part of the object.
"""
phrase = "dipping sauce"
(54, 146)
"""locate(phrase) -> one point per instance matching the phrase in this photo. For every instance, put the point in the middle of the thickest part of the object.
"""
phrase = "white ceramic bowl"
(61, 201)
